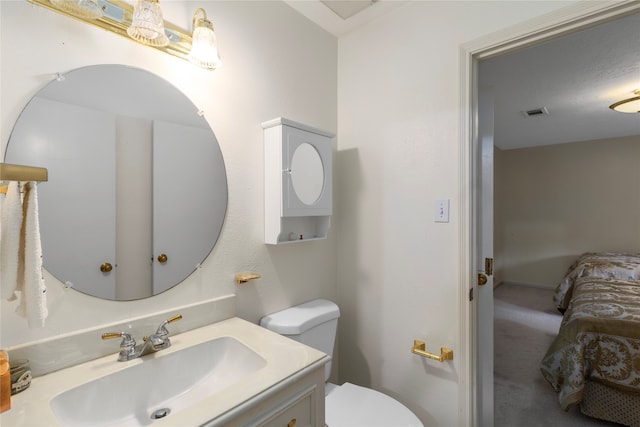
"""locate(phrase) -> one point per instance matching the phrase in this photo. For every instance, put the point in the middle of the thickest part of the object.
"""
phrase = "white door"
(77, 204)
(484, 257)
(186, 218)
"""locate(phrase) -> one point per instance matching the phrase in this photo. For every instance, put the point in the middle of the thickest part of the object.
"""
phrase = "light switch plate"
(441, 211)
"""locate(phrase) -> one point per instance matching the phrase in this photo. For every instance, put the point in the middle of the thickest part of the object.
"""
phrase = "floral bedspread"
(611, 265)
(599, 340)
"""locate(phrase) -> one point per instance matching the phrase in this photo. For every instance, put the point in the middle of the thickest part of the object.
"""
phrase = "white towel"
(10, 243)
(33, 301)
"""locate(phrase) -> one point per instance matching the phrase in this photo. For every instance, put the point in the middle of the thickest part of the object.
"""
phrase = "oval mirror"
(307, 173)
(137, 189)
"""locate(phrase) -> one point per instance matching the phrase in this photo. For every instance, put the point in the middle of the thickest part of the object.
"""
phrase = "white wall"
(275, 64)
(399, 151)
(559, 201)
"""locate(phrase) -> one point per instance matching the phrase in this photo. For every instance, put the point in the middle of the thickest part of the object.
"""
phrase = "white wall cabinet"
(298, 181)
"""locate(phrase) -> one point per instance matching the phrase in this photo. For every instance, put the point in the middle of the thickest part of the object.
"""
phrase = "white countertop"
(284, 357)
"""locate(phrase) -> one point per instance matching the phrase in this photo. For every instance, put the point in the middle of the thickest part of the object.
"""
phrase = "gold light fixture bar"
(117, 18)
(9, 172)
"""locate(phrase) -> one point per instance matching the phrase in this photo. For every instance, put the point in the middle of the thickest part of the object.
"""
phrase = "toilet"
(348, 405)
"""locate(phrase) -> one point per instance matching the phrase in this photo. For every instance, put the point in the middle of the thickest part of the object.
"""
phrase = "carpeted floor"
(525, 323)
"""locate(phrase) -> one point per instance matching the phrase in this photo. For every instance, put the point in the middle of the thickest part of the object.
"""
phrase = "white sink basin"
(167, 382)
(210, 375)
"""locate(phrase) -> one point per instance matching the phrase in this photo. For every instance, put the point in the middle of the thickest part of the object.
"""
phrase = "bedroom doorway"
(567, 21)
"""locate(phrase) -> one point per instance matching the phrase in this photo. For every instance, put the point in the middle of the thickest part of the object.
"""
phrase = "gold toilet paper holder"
(420, 348)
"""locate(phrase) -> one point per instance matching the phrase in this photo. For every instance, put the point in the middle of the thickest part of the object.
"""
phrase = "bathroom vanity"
(230, 373)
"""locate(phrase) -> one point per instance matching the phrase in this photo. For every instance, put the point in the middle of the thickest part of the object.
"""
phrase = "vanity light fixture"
(122, 18)
(147, 25)
(629, 105)
(204, 47)
(89, 9)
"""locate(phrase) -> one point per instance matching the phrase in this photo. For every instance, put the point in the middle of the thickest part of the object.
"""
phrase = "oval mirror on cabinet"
(307, 173)
(136, 180)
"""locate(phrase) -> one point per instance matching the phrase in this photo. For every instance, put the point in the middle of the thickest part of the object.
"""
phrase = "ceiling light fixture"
(147, 25)
(89, 9)
(204, 47)
(630, 105)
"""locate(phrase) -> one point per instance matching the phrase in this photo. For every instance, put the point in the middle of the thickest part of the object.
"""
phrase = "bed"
(613, 265)
(594, 361)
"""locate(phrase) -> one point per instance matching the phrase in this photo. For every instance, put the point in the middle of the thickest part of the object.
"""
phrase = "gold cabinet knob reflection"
(106, 267)
(162, 258)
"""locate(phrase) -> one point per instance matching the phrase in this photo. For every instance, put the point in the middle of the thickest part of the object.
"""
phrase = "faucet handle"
(162, 330)
(126, 338)
(174, 318)
(127, 346)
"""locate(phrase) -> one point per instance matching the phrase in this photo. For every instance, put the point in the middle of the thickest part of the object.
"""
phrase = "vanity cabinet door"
(295, 412)
(297, 401)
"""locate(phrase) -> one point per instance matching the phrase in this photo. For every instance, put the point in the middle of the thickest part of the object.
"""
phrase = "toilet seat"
(350, 405)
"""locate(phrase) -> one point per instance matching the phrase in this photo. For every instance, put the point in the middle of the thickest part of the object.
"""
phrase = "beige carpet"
(525, 323)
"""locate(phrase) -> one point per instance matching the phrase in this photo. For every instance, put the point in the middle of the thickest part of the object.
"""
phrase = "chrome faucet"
(154, 342)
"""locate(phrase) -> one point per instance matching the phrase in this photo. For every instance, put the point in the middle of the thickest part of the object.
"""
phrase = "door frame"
(556, 24)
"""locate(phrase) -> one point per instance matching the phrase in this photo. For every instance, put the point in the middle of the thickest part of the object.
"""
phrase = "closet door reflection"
(81, 213)
(184, 200)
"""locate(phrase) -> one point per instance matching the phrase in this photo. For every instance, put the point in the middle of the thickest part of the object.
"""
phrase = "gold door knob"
(162, 258)
(292, 423)
(106, 267)
(482, 279)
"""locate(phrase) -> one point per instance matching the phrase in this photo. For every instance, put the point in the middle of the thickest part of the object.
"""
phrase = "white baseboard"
(526, 284)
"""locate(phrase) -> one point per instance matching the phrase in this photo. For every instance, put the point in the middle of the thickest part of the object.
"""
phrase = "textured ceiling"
(575, 77)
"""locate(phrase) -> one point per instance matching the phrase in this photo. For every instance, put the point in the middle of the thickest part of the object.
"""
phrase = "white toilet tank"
(313, 323)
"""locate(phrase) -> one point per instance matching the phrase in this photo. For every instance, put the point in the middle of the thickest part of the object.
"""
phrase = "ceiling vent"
(536, 112)
(346, 9)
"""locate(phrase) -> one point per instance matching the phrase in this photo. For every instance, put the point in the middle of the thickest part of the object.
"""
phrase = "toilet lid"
(350, 405)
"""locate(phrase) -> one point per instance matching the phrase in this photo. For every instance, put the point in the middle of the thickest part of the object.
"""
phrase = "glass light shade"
(204, 48)
(147, 25)
(631, 105)
(88, 9)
